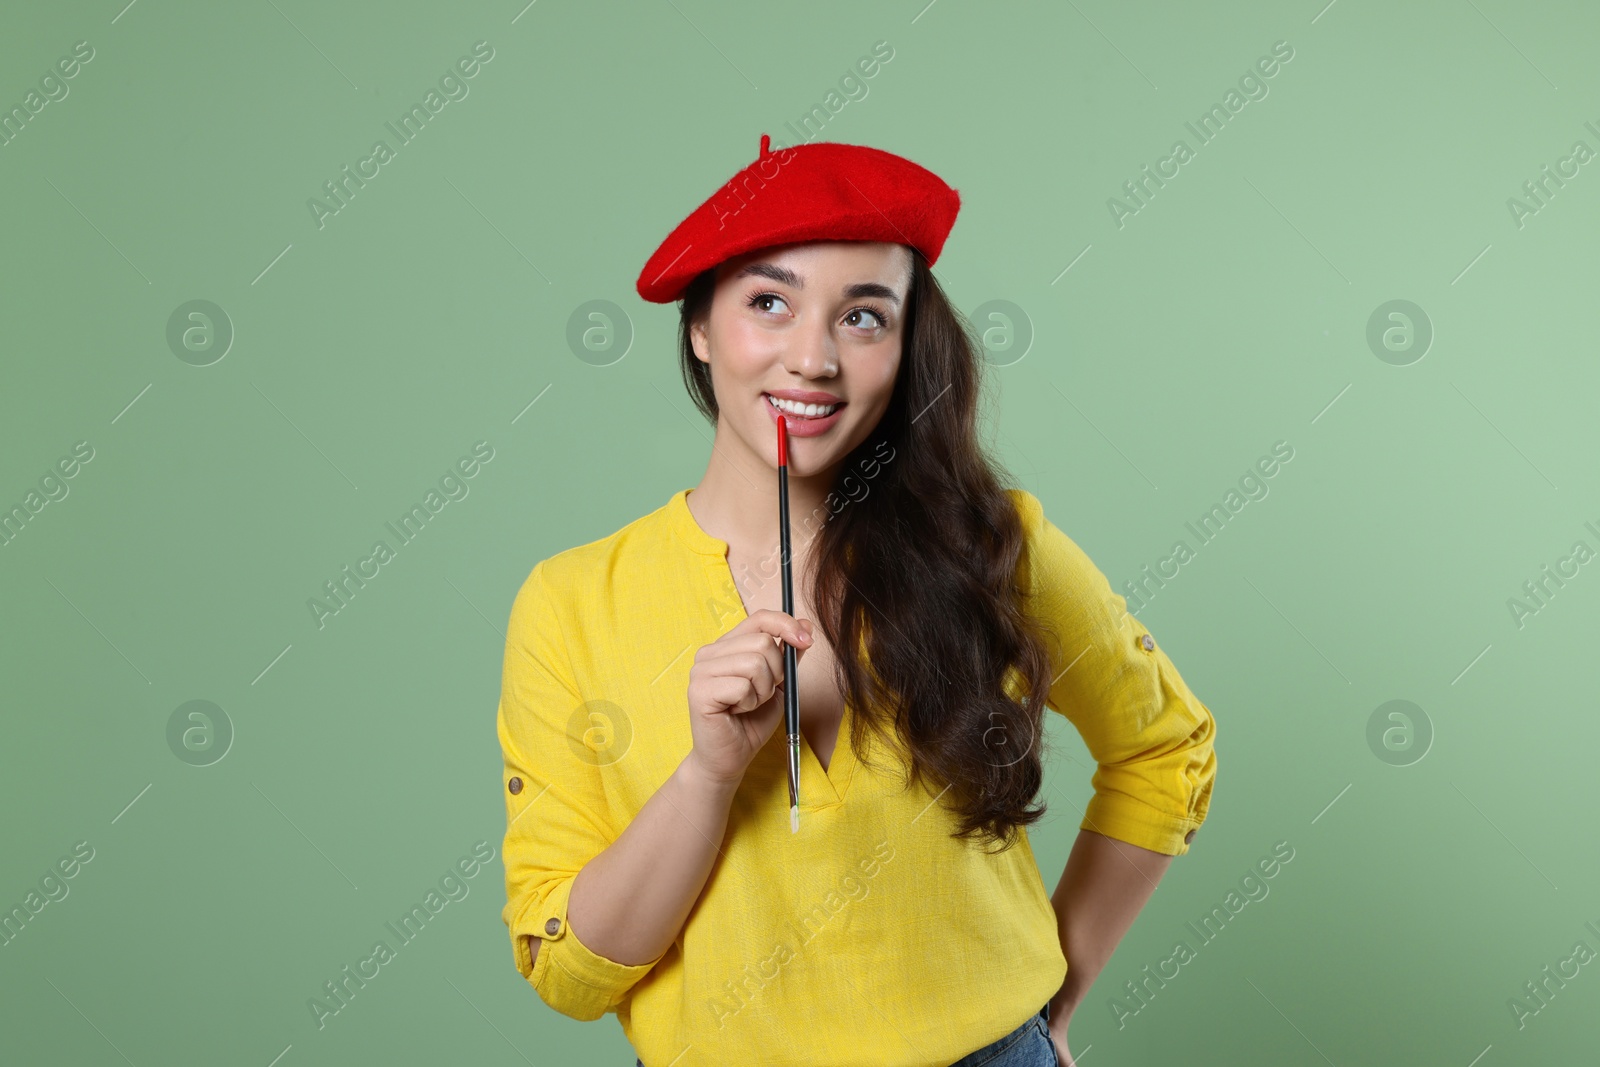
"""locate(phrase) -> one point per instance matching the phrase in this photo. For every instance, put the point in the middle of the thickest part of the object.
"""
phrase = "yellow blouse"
(870, 937)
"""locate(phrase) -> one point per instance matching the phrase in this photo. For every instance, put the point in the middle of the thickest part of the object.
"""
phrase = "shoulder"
(589, 572)
(1051, 560)
(1028, 507)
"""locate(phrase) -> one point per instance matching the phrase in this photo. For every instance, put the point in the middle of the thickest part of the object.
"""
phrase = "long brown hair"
(920, 575)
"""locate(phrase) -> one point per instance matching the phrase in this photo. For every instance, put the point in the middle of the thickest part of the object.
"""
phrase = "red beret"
(820, 191)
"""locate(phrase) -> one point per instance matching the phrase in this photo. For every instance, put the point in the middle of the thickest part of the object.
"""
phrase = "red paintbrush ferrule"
(783, 442)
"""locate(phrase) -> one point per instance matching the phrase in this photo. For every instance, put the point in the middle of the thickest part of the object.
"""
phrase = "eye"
(762, 301)
(755, 300)
(882, 319)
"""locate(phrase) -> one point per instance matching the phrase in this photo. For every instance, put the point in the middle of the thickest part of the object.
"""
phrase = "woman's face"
(819, 324)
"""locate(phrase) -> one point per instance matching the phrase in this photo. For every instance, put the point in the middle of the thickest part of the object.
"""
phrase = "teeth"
(809, 411)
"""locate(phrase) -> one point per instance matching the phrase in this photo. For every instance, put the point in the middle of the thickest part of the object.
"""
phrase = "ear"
(699, 341)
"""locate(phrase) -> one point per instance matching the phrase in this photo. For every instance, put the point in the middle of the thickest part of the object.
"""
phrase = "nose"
(813, 353)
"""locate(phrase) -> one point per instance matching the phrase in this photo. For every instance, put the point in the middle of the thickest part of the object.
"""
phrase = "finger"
(728, 691)
(777, 624)
(799, 641)
(760, 645)
(759, 642)
(766, 672)
(757, 671)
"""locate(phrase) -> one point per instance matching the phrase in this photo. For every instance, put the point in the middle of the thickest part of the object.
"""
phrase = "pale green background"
(1227, 315)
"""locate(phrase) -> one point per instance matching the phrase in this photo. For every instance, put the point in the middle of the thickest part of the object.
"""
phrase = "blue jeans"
(1029, 1045)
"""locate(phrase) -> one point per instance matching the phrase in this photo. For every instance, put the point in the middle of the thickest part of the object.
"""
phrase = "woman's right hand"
(735, 691)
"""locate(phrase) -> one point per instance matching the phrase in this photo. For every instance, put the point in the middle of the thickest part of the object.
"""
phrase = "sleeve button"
(1188, 837)
(515, 785)
(552, 927)
(1148, 642)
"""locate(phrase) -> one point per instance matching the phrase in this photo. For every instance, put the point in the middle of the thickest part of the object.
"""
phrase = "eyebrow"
(785, 276)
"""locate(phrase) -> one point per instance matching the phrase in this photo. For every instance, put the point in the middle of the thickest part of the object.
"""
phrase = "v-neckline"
(830, 783)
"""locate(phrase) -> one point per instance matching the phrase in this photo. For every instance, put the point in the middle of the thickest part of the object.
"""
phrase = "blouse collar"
(689, 531)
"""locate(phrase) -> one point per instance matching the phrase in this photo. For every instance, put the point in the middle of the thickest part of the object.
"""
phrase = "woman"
(651, 870)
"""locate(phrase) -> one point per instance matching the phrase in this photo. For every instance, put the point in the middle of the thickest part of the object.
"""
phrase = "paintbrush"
(791, 659)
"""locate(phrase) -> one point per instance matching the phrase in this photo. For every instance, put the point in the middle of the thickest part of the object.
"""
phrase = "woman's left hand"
(1058, 1037)
(1060, 1018)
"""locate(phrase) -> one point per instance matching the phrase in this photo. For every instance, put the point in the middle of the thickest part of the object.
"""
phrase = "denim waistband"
(997, 1047)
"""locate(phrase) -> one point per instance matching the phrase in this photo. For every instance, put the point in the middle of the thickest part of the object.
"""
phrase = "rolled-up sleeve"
(555, 814)
(1150, 736)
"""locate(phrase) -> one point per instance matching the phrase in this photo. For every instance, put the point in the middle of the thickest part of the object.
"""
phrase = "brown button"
(1188, 837)
(552, 927)
(1148, 642)
(515, 785)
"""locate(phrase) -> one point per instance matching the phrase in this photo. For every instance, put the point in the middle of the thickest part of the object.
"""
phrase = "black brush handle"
(791, 658)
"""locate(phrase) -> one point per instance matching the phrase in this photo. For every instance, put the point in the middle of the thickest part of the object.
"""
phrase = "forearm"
(1104, 887)
(630, 901)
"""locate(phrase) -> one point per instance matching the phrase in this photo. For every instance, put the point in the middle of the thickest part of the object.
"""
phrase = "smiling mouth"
(803, 411)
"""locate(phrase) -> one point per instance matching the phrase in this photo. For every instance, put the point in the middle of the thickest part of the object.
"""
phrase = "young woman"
(651, 870)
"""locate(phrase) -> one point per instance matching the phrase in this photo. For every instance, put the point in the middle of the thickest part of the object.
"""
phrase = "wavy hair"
(920, 575)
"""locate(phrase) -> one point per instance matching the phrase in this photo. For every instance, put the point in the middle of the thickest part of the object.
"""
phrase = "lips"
(804, 397)
(800, 425)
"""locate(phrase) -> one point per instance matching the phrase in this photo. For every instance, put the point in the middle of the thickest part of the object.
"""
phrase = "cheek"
(738, 367)
(744, 349)
(878, 377)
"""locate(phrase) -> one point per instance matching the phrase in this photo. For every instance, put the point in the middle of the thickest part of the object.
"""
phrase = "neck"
(737, 501)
